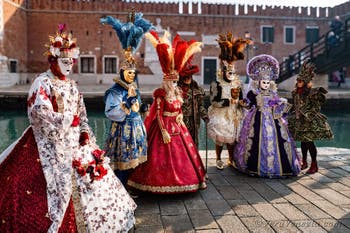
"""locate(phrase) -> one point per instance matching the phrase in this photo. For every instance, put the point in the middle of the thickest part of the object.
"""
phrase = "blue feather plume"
(130, 33)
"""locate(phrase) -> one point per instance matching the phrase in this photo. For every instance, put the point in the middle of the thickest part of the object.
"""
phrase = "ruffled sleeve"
(41, 111)
(113, 106)
(157, 94)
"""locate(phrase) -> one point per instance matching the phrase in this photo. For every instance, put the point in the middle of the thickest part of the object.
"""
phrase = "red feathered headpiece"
(62, 45)
(174, 56)
(189, 70)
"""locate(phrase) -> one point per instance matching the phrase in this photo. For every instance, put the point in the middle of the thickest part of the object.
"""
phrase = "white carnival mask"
(65, 65)
(230, 75)
(265, 84)
(229, 71)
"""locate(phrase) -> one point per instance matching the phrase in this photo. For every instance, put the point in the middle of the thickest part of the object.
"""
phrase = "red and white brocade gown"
(175, 167)
(38, 179)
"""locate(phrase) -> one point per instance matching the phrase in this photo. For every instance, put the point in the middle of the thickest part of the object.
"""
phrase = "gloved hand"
(273, 102)
(76, 121)
(166, 136)
(130, 101)
(84, 138)
(144, 108)
(244, 102)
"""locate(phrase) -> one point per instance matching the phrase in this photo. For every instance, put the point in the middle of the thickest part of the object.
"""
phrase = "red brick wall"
(41, 17)
(14, 44)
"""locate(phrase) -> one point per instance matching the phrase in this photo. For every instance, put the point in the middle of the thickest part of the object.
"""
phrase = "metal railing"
(329, 52)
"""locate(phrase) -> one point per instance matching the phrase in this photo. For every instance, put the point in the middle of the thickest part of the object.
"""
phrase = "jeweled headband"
(263, 67)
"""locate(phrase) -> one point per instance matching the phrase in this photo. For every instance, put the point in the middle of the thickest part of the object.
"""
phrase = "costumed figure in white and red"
(266, 147)
(174, 164)
(54, 177)
(126, 143)
(306, 122)
(226, 111)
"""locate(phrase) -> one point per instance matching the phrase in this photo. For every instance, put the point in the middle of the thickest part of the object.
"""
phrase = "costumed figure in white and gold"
(226, 111)
(265, 147)
(306, 122)
(126, 143)
(174, 164)
(55, 178)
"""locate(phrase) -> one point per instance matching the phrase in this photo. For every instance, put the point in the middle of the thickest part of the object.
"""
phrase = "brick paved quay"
(235, 202)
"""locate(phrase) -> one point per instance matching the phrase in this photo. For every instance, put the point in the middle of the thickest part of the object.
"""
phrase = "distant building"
(26, 24)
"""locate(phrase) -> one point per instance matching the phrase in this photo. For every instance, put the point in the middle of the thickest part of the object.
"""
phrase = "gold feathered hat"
(231, 50)
(307, 72)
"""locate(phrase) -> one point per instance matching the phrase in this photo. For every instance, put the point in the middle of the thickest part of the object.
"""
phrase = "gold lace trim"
(167, 189)
(128, 165)
(170, 114)
(78, 208)
(124, 84)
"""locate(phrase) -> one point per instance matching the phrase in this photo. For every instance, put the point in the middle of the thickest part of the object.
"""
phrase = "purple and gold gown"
(266, 148)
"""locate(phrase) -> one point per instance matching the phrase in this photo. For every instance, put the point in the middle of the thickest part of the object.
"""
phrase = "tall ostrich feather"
(129, 33)
(173, 55)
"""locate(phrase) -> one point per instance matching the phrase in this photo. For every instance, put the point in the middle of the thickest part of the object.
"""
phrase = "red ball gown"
(23, 203)
(174, 167)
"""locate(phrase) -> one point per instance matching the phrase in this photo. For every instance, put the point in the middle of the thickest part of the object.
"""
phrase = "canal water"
(12, 125)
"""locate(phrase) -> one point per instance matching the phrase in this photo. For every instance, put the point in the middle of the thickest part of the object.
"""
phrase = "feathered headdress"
(307, 72)
(129, 34)
(62, 45)
(189, 70)
(263, 67)
(173, 56)
(231, 49)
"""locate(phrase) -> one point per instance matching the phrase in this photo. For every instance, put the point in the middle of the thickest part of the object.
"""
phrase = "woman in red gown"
(174, 164)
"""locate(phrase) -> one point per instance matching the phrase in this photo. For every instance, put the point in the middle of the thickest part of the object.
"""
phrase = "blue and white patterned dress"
(126, 143)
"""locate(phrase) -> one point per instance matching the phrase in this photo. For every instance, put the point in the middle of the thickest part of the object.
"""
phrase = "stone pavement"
(235, 202)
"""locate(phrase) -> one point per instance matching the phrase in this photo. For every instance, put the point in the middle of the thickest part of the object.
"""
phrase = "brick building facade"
(26, 24)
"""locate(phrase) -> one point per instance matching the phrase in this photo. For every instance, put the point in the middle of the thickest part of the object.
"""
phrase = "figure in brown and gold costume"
(193, 107)
(306, 122)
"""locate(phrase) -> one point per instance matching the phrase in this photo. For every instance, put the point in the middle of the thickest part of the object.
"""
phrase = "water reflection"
(12, 125)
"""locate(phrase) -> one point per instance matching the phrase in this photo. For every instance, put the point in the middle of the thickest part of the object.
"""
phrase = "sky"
(313, 3)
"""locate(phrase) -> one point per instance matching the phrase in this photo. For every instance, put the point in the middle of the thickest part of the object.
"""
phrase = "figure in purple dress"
(266, 148)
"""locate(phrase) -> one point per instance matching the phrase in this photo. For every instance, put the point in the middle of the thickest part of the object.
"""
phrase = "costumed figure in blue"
(266, 148)
(126, 144)
(306, 122)
(226, 111)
